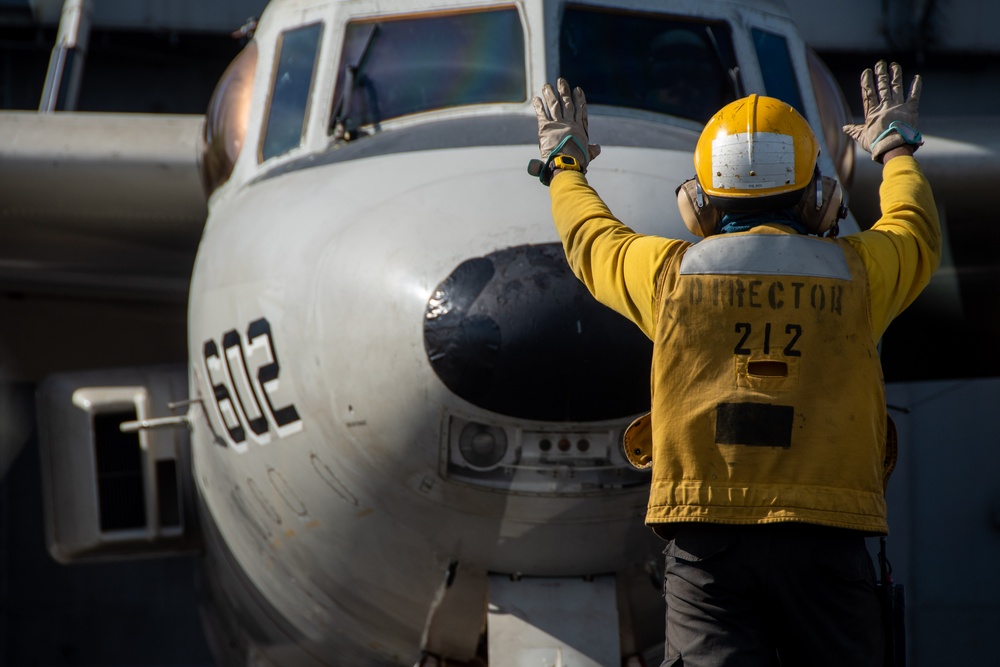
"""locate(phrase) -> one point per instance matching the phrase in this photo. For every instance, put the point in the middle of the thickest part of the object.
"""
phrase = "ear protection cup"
(819, 209)
(699, 215)
(822, 205)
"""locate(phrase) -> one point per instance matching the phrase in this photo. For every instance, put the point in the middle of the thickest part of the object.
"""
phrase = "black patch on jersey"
(754, 424)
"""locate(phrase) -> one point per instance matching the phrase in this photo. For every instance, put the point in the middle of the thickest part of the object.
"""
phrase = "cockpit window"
(227, 119)
(293, 75)
(648, 61)
(391, 68)
(776, 68)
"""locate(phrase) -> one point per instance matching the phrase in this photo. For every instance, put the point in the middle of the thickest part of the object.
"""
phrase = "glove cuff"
(581, 158)
(897, 134)
(543, 170)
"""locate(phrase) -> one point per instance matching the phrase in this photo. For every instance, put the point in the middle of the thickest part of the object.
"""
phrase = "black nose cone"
(516, 333)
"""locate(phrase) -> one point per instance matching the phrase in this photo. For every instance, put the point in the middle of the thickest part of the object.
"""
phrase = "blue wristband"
(909, 134)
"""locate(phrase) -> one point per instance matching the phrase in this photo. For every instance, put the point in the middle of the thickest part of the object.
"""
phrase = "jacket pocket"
(695, 544)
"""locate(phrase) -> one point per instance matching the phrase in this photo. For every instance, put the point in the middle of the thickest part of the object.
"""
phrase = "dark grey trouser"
(793, 595)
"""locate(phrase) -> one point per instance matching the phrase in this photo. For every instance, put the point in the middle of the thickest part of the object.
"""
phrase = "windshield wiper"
(352, 75)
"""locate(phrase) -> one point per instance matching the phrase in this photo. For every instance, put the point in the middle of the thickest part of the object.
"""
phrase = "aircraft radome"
(397, 439)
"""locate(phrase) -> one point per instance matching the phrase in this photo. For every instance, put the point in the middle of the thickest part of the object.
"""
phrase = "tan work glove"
(562, 129)
(890, 119)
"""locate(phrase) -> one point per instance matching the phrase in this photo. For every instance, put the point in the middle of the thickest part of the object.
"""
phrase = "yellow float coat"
(767, 400)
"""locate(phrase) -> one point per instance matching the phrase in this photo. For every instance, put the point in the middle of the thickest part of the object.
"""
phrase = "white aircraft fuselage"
(344, 516)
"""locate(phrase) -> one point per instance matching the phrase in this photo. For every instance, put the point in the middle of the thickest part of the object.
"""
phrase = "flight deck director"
(767, 435)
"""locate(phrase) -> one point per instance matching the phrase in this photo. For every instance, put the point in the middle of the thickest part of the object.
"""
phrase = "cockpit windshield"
(394, 67)
(651, 62)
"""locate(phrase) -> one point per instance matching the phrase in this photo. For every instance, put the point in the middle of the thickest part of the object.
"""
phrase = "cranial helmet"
(758, 154)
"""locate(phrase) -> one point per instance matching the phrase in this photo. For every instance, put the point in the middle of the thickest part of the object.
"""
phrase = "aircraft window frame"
(286, 114)
(776, 67)
(373, 48)
(614, 68)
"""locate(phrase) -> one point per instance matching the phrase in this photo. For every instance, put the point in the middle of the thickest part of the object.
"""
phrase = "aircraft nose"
(516, 333)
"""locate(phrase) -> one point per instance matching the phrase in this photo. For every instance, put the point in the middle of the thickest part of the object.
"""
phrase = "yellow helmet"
(754, 151)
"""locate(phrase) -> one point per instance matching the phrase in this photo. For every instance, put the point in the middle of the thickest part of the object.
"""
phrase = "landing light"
(482, 446)
(518, 458)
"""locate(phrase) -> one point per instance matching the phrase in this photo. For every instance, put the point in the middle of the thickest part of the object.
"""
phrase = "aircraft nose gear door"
(553, 621)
